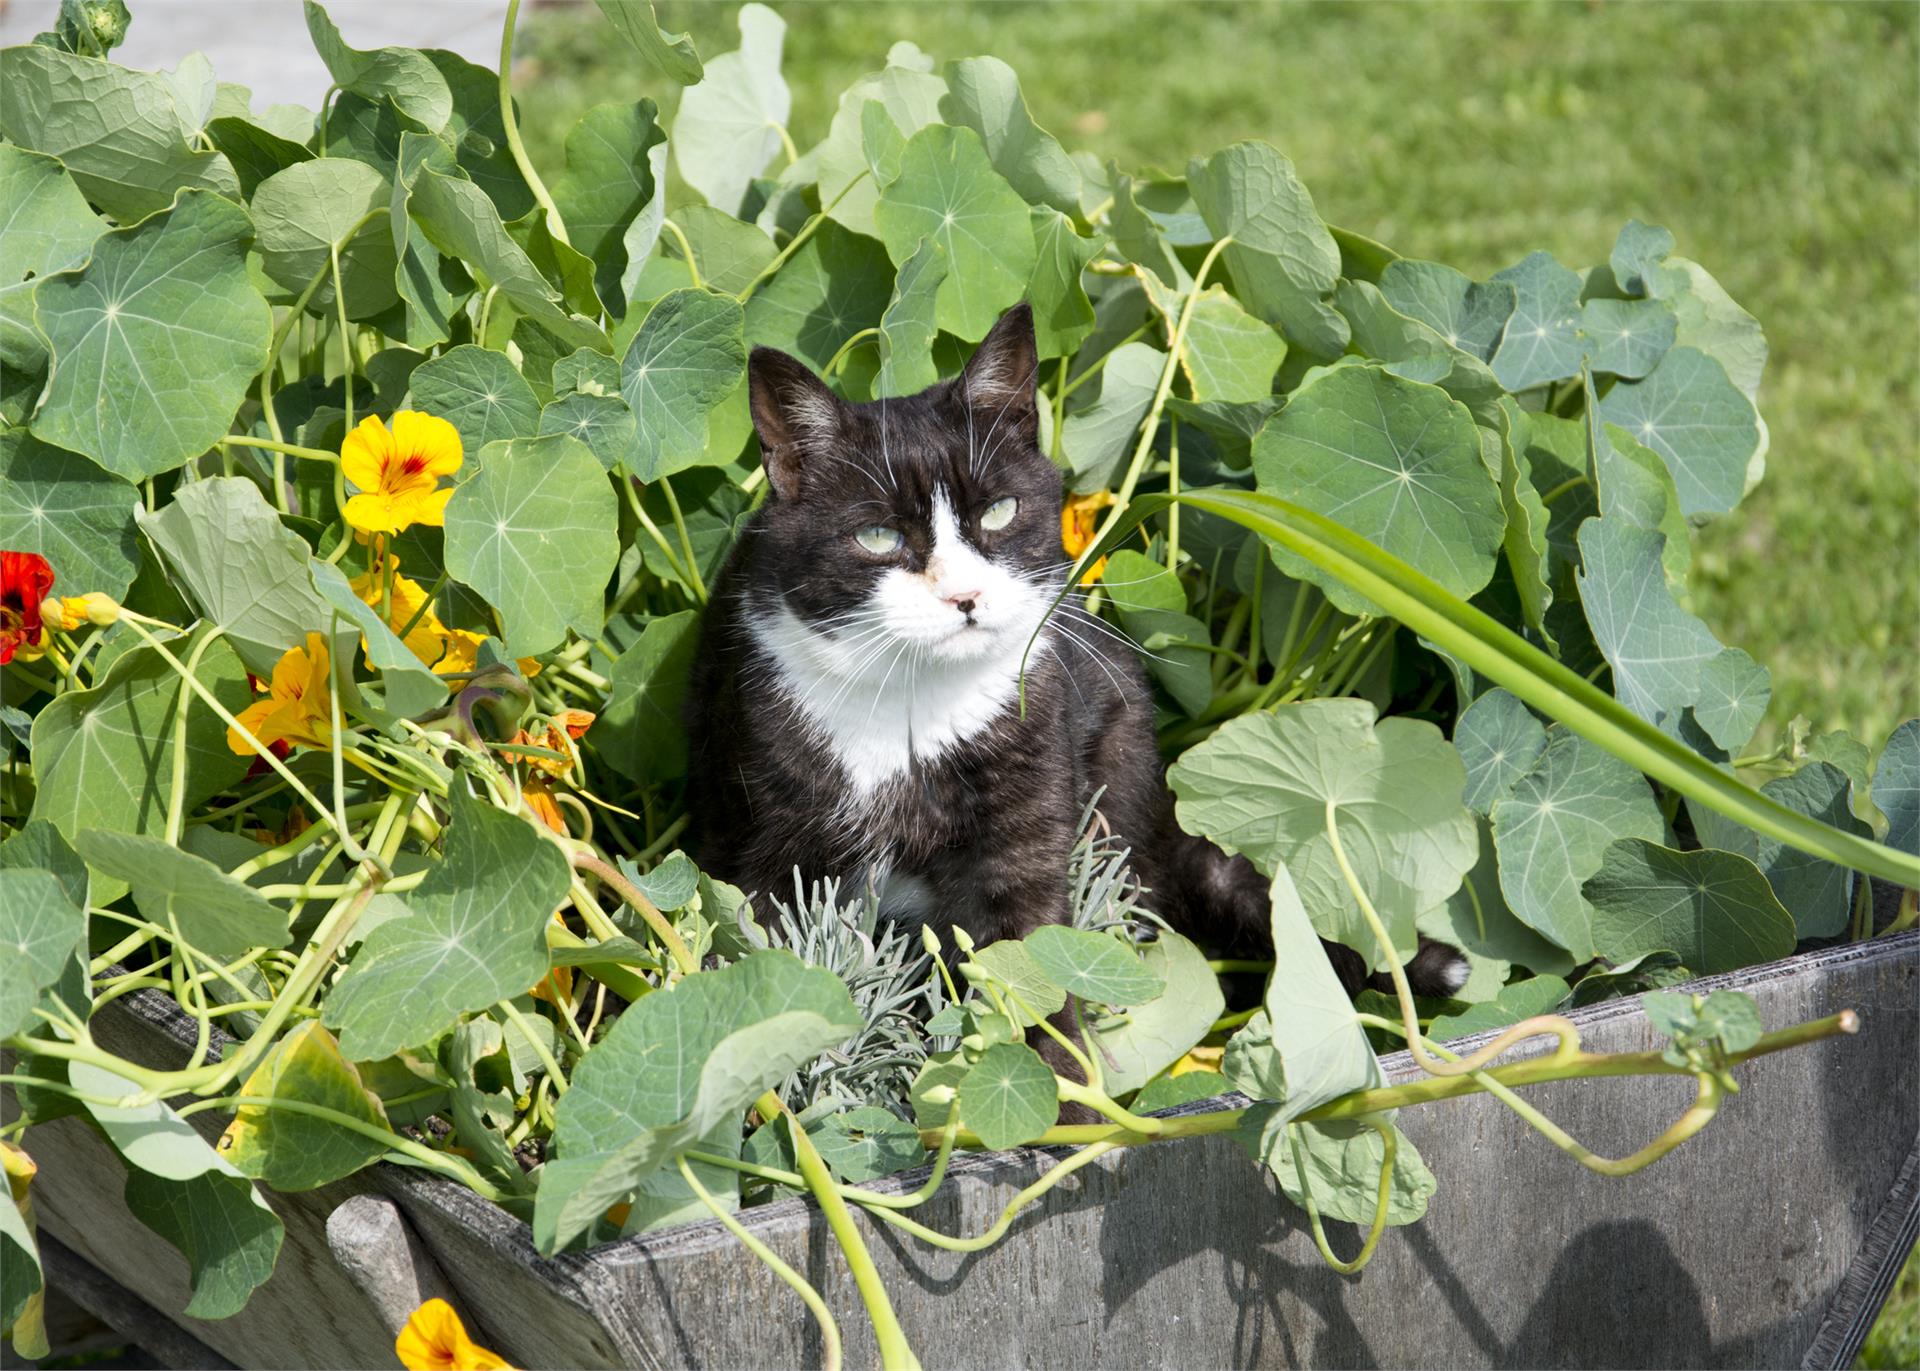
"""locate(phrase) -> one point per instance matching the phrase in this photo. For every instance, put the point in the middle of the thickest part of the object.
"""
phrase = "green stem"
(686, 251)
(829, 1330)
(1090, 1153)
(661, 844)
(511, 125)
(1151, 424)
(213, 703)
(669, 938)
(1390, 1146)
(895, 1353)
(686, 543)
(177, 791)
(291, 449)
(558, 1076)
(1503, 657)
(794, 244)
(446, 1163)
(833, 362)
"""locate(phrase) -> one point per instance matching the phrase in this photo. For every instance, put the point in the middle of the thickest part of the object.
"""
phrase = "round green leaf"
(909, 326)
(983, 94)
(215, 913)
(834, 286)
(609, 179)
(402, 75)
(909, 96)
(948, 191)
(867, 1143)
(1656, 648)
(1698, 421)
(480, 393)
(1283, 261)
(602, 422)
(735, 1032)
(1734, 693)
(475, 934)
(1264, 784)
(535, 533)
(1521, 1000)
(1342, 1166)
(1009, 1097)
(1466, 314)
(1062, 314)
(187, 1193)
(640, 733)
(1542, 340)
(1229, 355)
(1499, 739)
(1138, 1045)
(302, 213)
(103, 757)
(1896, 786)
(688, 356)
(1093, 966)
(1712, 908)
(1554, 827)
(1396, 462)
(672, 52)
(118, 132)
(155, 340)
(727, 127)
(45, 227)
(69, 511)
(290, 1149)
(39, 929)
(240, 566)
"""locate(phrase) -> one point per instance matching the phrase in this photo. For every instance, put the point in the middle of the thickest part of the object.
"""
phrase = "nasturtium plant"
(363, 489)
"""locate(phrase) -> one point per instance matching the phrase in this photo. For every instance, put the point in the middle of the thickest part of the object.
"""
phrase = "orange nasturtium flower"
(1079, 521)
(298, 709)
(398, 473)
(435, 1340)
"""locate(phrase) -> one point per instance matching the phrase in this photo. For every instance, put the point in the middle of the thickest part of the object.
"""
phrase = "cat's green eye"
(879, 540)
(999, 514)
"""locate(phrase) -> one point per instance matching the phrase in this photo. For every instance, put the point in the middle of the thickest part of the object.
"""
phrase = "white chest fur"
(878, 710)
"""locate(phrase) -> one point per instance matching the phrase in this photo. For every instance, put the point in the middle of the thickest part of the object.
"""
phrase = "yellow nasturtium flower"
(435, 1340)
(427, 638)
(398, 472)
(1079, 521)
(298, 708)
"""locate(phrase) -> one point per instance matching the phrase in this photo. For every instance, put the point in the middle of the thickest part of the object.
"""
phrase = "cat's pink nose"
(963, 600)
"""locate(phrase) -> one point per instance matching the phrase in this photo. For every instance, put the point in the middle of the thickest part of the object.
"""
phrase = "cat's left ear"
(1001, 375)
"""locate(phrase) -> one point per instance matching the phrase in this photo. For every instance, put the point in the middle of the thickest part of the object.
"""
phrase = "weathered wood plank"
(1729, 1252)
(131, 1319)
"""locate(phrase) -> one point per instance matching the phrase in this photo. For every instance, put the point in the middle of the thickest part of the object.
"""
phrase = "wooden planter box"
(1767, 1241)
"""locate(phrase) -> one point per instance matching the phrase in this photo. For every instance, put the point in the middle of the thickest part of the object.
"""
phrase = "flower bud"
(930, 940)
(962, 939)
(974, 1042)
(100, 608)
(53, 614)
(938, 1094)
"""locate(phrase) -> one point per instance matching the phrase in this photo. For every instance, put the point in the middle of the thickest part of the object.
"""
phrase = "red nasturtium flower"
(25, 579)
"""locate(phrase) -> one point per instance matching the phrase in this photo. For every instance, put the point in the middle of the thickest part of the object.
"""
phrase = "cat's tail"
(1223, 902)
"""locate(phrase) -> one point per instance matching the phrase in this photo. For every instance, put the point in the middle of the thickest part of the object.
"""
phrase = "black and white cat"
(855, 704)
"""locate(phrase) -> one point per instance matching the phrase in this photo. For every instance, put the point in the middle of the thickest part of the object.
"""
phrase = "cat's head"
(927, 525)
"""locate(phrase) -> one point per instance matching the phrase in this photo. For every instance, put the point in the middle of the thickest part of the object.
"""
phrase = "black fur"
(988, 824)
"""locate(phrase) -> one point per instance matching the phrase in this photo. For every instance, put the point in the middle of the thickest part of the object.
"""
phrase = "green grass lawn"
(1779, 142)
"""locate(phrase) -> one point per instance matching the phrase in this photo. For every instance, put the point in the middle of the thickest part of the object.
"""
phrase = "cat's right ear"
(793, 412)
